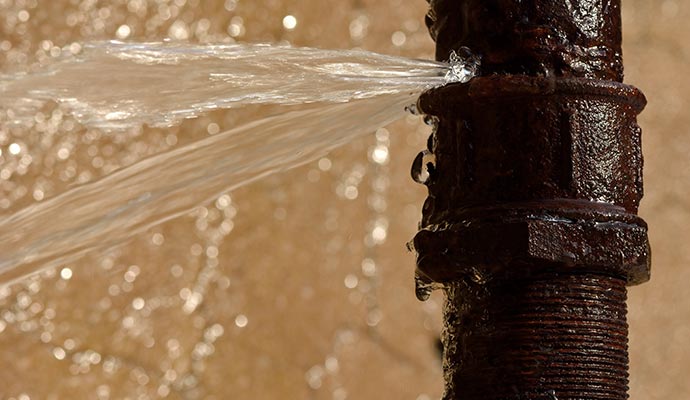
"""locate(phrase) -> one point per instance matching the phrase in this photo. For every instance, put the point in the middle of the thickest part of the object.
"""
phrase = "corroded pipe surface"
(549, 336)
(531, 220)
(566, 38)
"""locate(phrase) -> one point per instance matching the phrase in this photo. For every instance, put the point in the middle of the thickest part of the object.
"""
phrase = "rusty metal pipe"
(531, 221)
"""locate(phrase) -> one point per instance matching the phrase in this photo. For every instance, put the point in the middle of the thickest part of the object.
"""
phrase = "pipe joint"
(534, 171)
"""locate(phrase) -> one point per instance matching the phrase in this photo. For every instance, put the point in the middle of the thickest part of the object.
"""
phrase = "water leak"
(246, 275)
(353, 92)
(464, 65)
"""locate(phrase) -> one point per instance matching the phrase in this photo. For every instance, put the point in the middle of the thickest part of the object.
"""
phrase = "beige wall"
(285, 307)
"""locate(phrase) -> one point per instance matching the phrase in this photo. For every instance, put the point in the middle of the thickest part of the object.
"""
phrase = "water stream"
(113, 85)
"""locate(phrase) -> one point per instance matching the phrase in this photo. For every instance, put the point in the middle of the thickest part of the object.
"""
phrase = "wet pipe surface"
(531, 218)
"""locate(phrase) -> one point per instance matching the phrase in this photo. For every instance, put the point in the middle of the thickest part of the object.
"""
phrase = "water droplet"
(477, 276)
(123, 32)
(351, 281)
(368, 267)
(66, 273)
(398, 38)
(138, 303)
(412, 109)
(431, 142)
(289, 22)
(59, 353)
(379, 154)
(241, 320)
(15, 148)
(431, 120)
(423, 287)
(463, 66)
(230, 5)
(423, 166)
(179, 30)
(314, 376)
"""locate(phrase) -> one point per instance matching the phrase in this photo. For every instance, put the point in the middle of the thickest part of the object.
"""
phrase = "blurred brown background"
(298, 286)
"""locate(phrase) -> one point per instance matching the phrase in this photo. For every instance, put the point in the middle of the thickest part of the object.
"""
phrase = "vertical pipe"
(531, 221)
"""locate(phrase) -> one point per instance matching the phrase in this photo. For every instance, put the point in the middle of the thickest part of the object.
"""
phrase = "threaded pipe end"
(547, 337)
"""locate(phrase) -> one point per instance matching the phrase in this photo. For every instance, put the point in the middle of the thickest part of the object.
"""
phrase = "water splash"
(464, 65)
